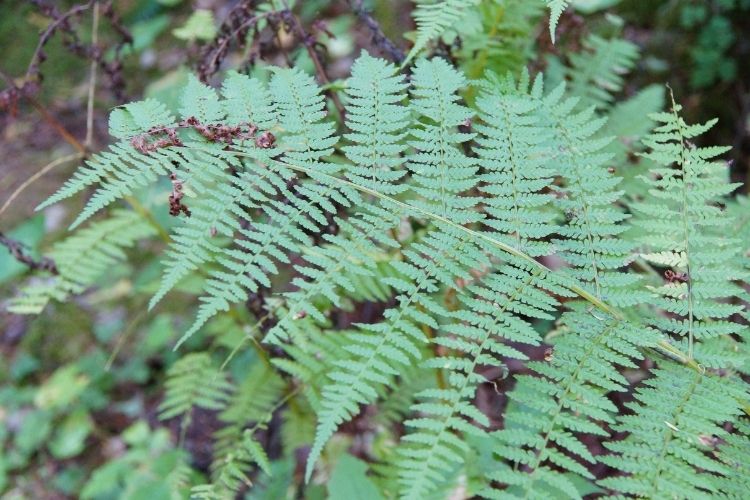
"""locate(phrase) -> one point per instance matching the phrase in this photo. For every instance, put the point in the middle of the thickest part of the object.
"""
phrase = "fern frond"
(735, 454)
(505, 42)
(197, 242)
(122, 169)
(682, 224)
(591, 242)
(377, 119)
(441, 171)
(433, 18)
(334, 267)
(83, 258)
(248, 100)
(252, 402)
(312, 358)
(568, 396)
(626, 123)
(223, 198)
(193, 380)
(493, 311)
(513, 151)
(556, 7)
(380, 349)
(306, 141)
(677, 414)
(122, 162)
(200, 100)
(596, 73)
(301, 108)
(137, 118)
(231, 473)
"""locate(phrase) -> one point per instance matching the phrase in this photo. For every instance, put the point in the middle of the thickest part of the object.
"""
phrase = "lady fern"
(487, 221)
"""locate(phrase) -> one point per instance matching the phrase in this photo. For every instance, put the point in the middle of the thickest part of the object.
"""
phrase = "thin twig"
(92, 79)
(69, 138)
(18, 251)
(36, 176)
(218, 50)
(379, 39)
(309, 42)
(50, 30)
(124, 336)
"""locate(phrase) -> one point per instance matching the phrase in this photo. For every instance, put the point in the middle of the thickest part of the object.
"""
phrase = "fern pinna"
(488, 233)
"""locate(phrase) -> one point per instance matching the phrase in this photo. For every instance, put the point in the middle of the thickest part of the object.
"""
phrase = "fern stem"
(685, 228)
(459, 389)
(146, 214)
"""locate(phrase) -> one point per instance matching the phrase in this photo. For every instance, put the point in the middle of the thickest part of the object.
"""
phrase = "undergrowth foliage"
(492, 232)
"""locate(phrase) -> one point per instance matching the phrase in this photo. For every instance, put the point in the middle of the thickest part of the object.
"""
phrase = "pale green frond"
(433, 18)
(380, 350)
(377, 119)
(591, 241)
(495, 312)
(678, 413)
(441, 171)
(192, 381)
(734, 452)
(566, 397)
(556, 7)
(83, 258)
(235, 451)
(596, 73)
(332, 270)
(138, 117)
(513, 150)
(684, 229)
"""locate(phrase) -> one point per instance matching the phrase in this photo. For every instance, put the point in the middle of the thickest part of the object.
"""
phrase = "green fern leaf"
(590, 240)
(334, 267)
(306, 141)
(557, 7)
(567, 397)
(235, 451)
(200, 101)
(596, 73)
(433, 18)
(377, 120)
(441, 170)
(138, 117)
(678, 413)
(83, 258)
(193, 381)
(493, 311)
(735, 454)
(381, 349)
(513, 150)
(682, 224)
(223, 198)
